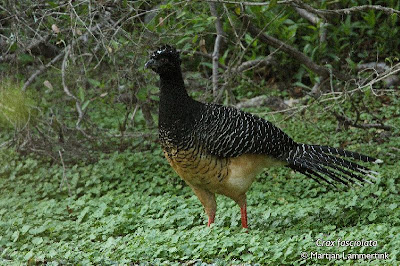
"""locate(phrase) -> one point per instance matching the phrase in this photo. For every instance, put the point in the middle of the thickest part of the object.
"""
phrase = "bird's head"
(164, 60)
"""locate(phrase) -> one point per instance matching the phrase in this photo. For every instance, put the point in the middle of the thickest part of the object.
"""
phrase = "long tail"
(326, 163)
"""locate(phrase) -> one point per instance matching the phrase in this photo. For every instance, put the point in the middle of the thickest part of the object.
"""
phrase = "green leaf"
(237, 10)
(52, 253)
(372, 216)
(172, 250)
(28, 255)
(52, 4)
(81, 94)
(13, 47)
(25, 58)
(247, 257)
(166, 6)
(15, 236)
(37, 240)
(25, 228)
(195, 38)
(85, 104)
(82, 215)
(207, 64)
(142, 94)
(272, 4)
(95, 83)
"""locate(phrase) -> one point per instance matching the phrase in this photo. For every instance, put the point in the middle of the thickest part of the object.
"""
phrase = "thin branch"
(34, 43)
(308, 15)
(64, 178)
(217, 44)
(67, 91)
(245, 66)
(309, 8)
(345, 11)
(205, 55)
(302, 58)
(133, 115)
(240, 58)
(321, 12)
(395, 69)
(314, 19)
(275, 103)
(379, 67)
(347, 121)
(248, 3)
(238, 38)
(63, 67)
(43, 68)
(235, 61)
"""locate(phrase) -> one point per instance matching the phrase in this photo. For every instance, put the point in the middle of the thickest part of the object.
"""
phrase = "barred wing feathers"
(229, 132)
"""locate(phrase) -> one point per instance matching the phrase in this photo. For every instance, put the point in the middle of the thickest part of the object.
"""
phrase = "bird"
(218, 149)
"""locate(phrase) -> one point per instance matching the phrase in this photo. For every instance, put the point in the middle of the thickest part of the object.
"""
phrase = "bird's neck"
(172, 86)
(175, 104)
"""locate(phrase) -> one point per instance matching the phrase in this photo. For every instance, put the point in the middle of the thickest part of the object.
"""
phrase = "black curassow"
(219, 149)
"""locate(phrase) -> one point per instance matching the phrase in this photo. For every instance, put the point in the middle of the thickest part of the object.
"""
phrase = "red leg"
(243, 212)
(206, 198)
(211, 219)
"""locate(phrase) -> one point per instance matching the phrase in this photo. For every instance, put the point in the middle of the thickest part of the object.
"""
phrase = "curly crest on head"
(165, 60)
(165, 50)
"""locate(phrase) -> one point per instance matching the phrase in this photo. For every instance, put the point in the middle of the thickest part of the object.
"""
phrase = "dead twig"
(245, 66)
(346, 11)
(43, 68)
(301, 4)
(390, 72)
(308, 15)
(217, 44)
(275, 103)
(248, 3)
(34, 44)
(67, 91)
(238, 38)
(378, 68)
(348, 122)
(64, 177)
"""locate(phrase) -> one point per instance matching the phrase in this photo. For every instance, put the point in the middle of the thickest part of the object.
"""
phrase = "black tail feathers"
(324, 163)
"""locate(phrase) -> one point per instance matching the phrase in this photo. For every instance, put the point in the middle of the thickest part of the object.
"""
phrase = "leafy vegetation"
(83, 180)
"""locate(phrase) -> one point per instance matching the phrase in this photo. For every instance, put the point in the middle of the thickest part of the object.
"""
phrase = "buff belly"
(231, 177)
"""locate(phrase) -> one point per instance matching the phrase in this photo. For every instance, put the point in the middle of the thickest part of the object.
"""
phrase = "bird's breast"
(197, 167)
(230, 176)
